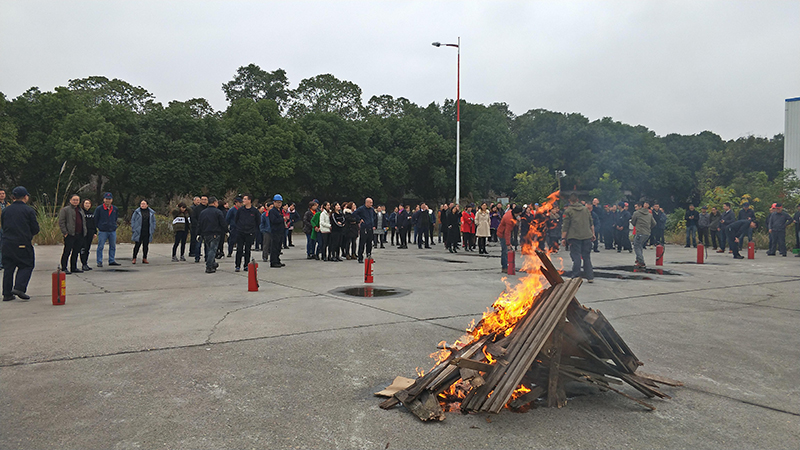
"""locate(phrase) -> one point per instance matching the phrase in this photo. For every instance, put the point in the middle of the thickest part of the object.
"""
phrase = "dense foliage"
(321, 140)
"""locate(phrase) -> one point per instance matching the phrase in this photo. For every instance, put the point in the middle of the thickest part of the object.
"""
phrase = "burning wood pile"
(536, 338)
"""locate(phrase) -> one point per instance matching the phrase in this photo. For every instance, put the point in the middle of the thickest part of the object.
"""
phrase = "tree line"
(321, 140)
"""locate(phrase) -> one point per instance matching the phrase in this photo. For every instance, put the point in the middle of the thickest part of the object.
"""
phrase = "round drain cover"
(366, 291)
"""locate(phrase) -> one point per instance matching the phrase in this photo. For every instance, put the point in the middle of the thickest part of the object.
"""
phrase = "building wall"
(791, 143)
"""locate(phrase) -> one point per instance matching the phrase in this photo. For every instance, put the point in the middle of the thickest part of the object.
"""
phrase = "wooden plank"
(466, 363)
(468, 374)
(553, 398)
(659, 379)
(526, 399)
(426, 407)
(548, 269)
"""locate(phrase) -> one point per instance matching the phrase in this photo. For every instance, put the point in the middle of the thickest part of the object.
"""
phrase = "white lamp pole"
(458, 117)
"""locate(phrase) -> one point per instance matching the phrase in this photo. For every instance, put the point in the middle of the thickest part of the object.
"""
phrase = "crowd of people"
(341, 231)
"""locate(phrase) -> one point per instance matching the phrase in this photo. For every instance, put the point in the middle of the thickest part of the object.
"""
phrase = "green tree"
(608, 190)
(534, 187)
(326, 94)
(253, 82)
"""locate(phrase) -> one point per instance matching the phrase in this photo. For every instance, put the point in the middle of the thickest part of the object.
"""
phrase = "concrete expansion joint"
(739, 400)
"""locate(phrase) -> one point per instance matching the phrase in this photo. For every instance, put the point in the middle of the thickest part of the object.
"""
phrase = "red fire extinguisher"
(659, 255)
(700, 253)
(512, 270)
(252, 276)
(751, 250)
(59, 287)
(368, 270)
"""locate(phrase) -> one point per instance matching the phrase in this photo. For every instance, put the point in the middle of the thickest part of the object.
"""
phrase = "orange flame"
(519, 392)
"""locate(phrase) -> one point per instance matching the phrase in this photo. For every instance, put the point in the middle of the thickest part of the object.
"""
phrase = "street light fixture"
(458, 116)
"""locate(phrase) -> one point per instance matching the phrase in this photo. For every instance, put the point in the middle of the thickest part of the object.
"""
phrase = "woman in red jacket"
(468, 228)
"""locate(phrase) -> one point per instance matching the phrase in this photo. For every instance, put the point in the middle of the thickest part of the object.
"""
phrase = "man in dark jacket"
(713, 226)
(736, 232)
(277, 226)
(403, 221)
(197, 238)
(212, 229)
(747, 213)
(72, 222)
(366, 219)
(424, 223)
(593, 209)
(248, 222)
(105, 218)
(622, 229)
(777, 230)
(691, 217)
(703, 223)
(230, 218)
(19, 226)
(725, 219)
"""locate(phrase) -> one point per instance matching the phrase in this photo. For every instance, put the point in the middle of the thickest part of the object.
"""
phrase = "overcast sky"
(672, 66)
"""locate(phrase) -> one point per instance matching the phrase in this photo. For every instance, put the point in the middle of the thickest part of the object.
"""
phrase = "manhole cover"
(370, 291)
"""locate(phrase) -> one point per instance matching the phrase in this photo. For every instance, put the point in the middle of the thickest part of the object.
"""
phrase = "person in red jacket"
(468, 228)
(507, 225)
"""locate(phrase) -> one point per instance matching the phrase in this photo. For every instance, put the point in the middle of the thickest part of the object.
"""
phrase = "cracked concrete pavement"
(166, 356)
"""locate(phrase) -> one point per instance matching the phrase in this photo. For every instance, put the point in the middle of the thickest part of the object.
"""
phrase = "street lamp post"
(458, 117)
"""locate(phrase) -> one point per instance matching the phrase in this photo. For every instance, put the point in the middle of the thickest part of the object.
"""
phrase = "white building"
(791, 136)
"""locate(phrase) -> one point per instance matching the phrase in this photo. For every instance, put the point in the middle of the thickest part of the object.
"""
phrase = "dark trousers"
(259, 241)
(703, 236)
(20, 259)
(72, 247)
(714, 238)
(423, 237)
(723, 239)
(197, 245)
(777, 242)
(211, 242)
(334, 246)
(144, 243)
(87, 246)
(193, 240)
(581, 250)
(608, 239)
(243, 244)
(266, 243)
(482, 244)
(275, 250)
(431, 230)
(233, 239)
(364, 240)
(392, 229)
(403, 237)
(622, 239)
(180, 238)
(734, 245)
(324, 240)
(289, 237)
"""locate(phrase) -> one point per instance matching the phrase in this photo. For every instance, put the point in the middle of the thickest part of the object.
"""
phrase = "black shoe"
(20, 294)
(316, 257)
(738, 257)
(427, 247)
(245, 268)
(100, 264)
(360, 260)
(67, 272)
(114, 264)
(8, 299)
(86, 268)
(76, 271)
(211, 270)
(291, 245)
(237, 269)
(597, 251)
(278, 266)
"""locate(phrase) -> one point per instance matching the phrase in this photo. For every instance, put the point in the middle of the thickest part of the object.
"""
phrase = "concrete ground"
(166, 356)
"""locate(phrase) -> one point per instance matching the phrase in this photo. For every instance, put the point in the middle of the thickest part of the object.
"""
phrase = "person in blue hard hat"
(19, 226)
(277, 227)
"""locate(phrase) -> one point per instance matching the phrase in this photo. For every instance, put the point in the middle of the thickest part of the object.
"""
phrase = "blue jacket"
(105, 221)
(367, 215)
(265, 227)
(230, 218)
(136, 224)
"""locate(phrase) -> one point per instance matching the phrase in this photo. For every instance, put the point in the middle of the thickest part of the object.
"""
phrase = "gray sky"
(672, 66)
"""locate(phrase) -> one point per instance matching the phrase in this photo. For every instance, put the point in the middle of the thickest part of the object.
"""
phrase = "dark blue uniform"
(19, 227)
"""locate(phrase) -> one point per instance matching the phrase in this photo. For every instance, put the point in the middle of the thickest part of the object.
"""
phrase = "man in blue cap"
(19, 227)
(277, 227)
(105, 218)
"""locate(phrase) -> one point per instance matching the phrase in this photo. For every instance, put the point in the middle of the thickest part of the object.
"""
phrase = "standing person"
(181, 225)
(644, 222)
(494, 222)
(725, 219)
(777, 230)
(596, 220)
(315, 234)
(366, 219)
(105, 217)
(91, 231)
(72, 223)
(308, 229)
(797, 231)
(578, 230)
(622, 227)
(324, 230)
(608, 226)
(483, 223)
(507, 224)
(193, 228)
(230, 218)
(266, 233)
(454, 228)
(143, 229)
(337, 231)
(442, 226)
(248, 222)
(403, 222)
(198, 240)
(467, 225)
(703, 224)
(3, 204)
(19, 226)
(424, 223)
(294, 216)
(277, 225)
(736, 232)
(393, 225)
(691, 217)
(431, 224)
(352, 230)
(747, 213)
(212, 226)
(286, 218)
(553, 226)
(713, 226)
(380, 228)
